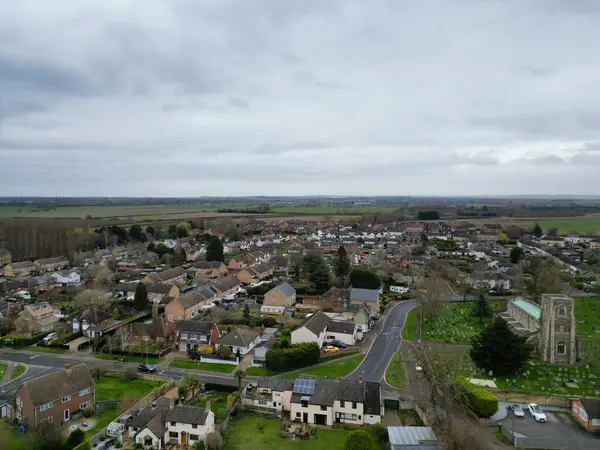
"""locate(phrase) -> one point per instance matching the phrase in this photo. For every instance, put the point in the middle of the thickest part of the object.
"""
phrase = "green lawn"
(564, 225)
(114, 388)
(411, 325)
(334, 370)
(18, 370)
(587, 316)
(395, 374)
(455, 324)
(244, 434)
(189, 364)
(258, 372)
(103, 418)
(131, 359)
(35, 348)
(218, 404)
(3, 368)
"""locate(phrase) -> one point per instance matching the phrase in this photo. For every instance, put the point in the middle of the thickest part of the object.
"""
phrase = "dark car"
(338, 344)
(148, 368)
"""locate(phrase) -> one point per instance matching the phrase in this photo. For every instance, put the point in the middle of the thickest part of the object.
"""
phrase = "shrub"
(224, 352)
(269, 322)
(85, 445)
(478, 400)
(213, 441)
(380, 432)
(207, 350)
(293, 357)
(359, 440)
(76, 437)
(88, 411)
(130, 373)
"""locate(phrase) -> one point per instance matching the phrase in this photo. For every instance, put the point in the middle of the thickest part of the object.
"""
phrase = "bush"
(359, 440)
(213, 441)
(293, 357)
(207, 350)
(224, 352)
(85, 445)
(130, 373)
(478, 400)
(269, 322)
(76, 437)
(88, 411)
(380, 432)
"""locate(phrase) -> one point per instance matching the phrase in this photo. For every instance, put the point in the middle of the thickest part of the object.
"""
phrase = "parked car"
(148, 368)
(331, 349)
(517, 410)
(537, 413)
(338, 344)
(50, 338)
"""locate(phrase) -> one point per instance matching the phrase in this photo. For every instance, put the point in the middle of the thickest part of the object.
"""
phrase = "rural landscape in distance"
(299, 225)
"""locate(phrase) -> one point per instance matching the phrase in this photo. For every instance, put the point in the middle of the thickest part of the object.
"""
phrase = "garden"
(218, 404)
(115, 388)
(456, 323)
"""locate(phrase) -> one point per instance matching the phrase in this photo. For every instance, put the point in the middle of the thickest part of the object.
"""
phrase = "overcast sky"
(282, 97)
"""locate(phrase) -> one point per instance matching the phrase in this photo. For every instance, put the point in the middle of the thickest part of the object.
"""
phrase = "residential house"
(94, 323)
(175, 275)
(320, 328)
(226, 287)
(9, 309)
(253, 274)
(240, 340)
(281, 264)
(237, 263)
(5, 257)
(413, 438)
(279, 298)
(51, 264)
(361, 315)
(587, 413)
(211, 269)
(271, 394)
(335, 298)
(36, 285)
(327, 402)
(193, 334)
(186, 307)
(36, 318)
(152, 418)
(53, 398)
(9, 286)
(159, 331)
(156, 291)
(368, 296)
(66, 278)
(19, 269)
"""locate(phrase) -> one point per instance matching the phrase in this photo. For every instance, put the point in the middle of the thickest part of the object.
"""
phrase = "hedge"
(17, 342)
(293, 357)
(85, 445)
(478, 400)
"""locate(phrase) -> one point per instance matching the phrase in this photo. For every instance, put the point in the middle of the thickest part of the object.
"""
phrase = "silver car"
(517, 410)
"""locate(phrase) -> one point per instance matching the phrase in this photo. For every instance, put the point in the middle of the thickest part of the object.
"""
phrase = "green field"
(395, 373)
(338, 369)
(411, 325)
(114, 388)
(589, 225)
(189, 364)
(336, 210)
(245, 434)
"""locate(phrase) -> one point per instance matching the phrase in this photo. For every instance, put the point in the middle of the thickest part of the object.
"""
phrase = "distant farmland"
(333, 210)
(589, 225)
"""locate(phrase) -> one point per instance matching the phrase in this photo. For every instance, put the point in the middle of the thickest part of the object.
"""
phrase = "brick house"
(211, 269)
(19, 269)
(36, 318)
(176, 275)
(586, 412)
(237, 263)
(279, 298)
(192, 334)
(159, 331)
(156, 291)
(186, 307)
(255, 273)
(53, 398)
(226, 286)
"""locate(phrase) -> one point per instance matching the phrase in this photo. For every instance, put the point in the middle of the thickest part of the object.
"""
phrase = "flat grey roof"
(410, 435)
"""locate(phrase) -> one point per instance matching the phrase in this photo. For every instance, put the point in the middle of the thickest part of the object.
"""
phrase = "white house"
(269, 394)
(346, 332)
(239, 339)
(320, 328)
(69, 277)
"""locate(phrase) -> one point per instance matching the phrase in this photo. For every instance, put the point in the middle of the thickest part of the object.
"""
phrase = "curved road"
(385, 345)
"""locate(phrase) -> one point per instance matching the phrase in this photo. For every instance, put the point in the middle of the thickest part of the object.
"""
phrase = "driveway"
(385, 345)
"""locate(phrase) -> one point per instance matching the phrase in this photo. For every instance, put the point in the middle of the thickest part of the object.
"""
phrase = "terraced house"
(176, 275)
(19, 269)
(54, 398)
(51, 264)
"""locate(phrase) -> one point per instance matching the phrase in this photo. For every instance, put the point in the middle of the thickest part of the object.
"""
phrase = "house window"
(84, 404)
(297, 414)
(353, 405)
(561, 349)
(46, 406)
(194, 426)
(263, 402)
(48, 419)
(561, 328)
(305, 403)
(170, 317)
(66, 399)
(342, 404)
(173, 434)
(173, 424)
(193, 437)
(84, 392)
(323, 408)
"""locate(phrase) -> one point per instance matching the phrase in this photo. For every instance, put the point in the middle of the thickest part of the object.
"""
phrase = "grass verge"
(332, 371)
(188, 364)
(410, 325)
(53, 350)
(395, 373)
(259, 372)
(18, 370)
(103, 418)
(130, 359)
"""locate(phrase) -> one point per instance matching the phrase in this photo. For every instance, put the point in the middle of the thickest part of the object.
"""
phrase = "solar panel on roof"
(302, 386)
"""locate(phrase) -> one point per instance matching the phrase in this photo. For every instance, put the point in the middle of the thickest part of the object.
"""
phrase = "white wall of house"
(297, 413)
(348, 414)
(303, 334)
(142, 436)
(266, 309)
(201, 430)
(348, 339)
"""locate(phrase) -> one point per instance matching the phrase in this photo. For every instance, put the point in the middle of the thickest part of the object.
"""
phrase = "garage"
(320, 419)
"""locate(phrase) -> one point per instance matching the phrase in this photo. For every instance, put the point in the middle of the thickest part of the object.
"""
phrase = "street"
(385, 345)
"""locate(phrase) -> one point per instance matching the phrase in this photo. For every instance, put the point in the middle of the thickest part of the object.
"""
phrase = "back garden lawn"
(115, 388)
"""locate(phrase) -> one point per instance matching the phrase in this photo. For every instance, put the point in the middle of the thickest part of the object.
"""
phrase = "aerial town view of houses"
(266, 331)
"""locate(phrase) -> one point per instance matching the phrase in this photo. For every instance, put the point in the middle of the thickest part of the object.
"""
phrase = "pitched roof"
(54, 260)
(167, 274)
(157, 424)
(239, 337)
(158, 328)
(341, 327)
(194, 326)
(410, 436)
(316, 323)
(286, 289)
(208, 264)
(148, 414)
(191, 299)
(22, 265)
(226, 283)
(372, 398)
(94, 315)
(364, 295)
(187, 414)
(59, 384)
(275, 384)
(592, 407)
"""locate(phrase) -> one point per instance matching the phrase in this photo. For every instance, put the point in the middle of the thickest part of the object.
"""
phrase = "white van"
(24, 295)
(50, 338)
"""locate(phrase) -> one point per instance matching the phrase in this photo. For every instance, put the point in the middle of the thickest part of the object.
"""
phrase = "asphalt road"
(385, 345)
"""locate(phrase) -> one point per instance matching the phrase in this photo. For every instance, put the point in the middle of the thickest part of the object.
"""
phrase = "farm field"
(342, 210)
(589, 225)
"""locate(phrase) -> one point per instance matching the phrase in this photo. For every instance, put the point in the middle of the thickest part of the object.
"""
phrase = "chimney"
(207, 406)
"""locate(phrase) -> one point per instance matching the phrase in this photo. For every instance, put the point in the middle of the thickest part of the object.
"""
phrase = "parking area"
(560, 425)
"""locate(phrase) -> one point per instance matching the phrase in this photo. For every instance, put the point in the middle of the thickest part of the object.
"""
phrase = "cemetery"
(455, 324)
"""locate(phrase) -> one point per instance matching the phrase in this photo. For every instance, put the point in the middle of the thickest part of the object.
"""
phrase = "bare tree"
(92, 299)
(463, 434)
(431, 302)
(102, 276)
(113, 342)
(125, 337)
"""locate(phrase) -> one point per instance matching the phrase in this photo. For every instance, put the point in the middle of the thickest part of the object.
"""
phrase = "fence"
(215, 360)
(547, 443)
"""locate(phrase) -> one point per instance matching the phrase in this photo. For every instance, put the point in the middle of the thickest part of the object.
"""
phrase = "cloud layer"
(223, 97)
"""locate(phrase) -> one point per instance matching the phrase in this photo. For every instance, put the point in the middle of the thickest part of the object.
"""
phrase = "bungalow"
(587, 413)
(94, 323)
(176, 275)
(19, 269)
(279, 298)
(368, 296)
(192, 334)
(211, 269)
(320, 328)
(240, 340)
(51, 264)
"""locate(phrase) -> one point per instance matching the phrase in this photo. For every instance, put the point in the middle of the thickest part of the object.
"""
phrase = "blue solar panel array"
(306, 387)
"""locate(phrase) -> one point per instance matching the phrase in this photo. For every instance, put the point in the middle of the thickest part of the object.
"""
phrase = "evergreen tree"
(500, 350)
(481, 308)
(316, 271)
(516, 254)
(246, 311)
(140, 301)
(341, 264)
(76, 437)
(359, 440)
(361, 277)
(150, 230)
(135, 232)
(214, 249)
(537, 230)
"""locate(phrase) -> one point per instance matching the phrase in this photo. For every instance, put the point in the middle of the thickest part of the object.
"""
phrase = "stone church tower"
(558, 334)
